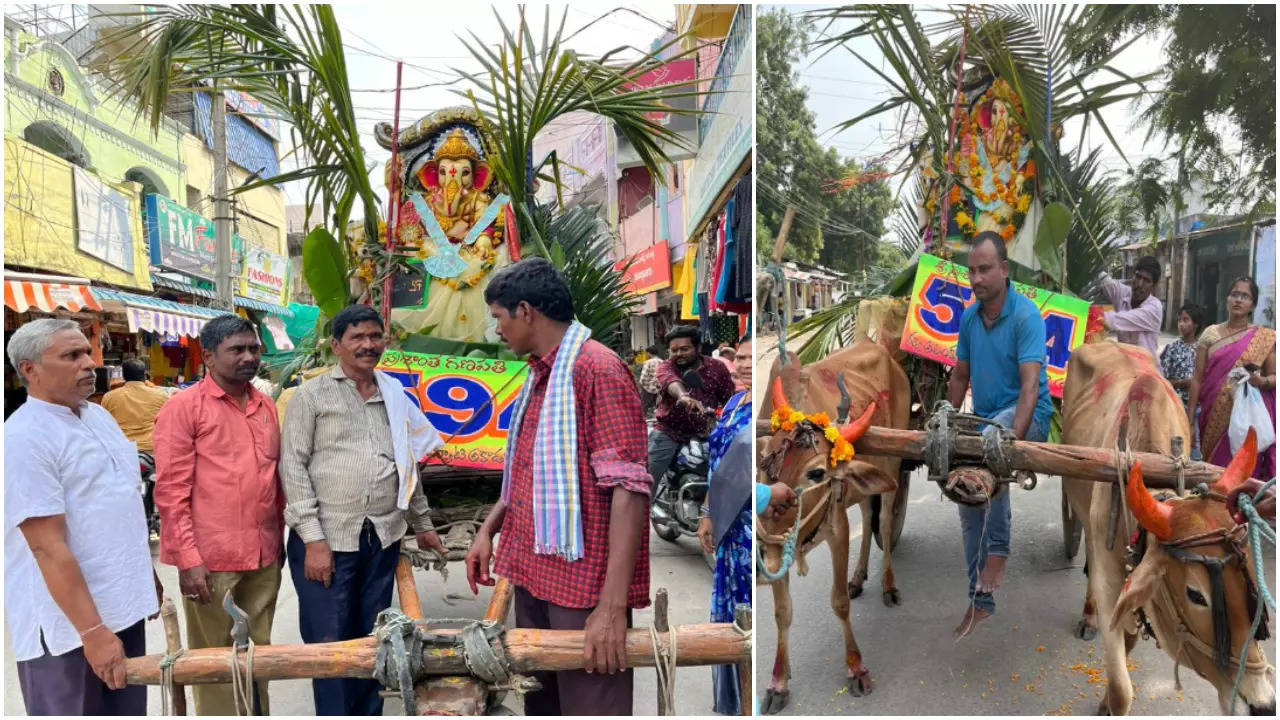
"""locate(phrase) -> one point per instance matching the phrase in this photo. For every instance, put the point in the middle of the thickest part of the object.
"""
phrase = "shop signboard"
(650, 269)
(727, 140)
(469, 401)
(183, 240)
(265, 277)
(686, 126)
(253, 110)
(103, 221)
(940, 295)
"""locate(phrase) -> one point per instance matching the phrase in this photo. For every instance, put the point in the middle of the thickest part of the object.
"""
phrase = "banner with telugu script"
(469, 401)
(940, 295)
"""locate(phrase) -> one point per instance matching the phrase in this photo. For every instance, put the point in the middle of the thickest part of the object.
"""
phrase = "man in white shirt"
(77, 562)
(1139, 313)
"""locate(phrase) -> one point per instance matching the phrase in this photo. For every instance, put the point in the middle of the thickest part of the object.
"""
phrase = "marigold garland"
(786, 419)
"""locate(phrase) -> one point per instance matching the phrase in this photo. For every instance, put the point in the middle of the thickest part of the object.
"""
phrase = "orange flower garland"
(786, 419)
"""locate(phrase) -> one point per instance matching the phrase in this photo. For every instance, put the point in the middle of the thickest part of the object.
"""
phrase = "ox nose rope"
(1259, 530)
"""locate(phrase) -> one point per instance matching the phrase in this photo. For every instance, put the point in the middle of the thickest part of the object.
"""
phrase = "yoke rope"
(166, 680)
(242, 687)
(664, 662)
(1258, 530)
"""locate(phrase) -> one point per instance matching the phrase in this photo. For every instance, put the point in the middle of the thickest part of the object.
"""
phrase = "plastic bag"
(1248, 411)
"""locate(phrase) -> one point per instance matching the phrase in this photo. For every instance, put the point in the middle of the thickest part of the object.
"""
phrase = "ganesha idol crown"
(456, 147)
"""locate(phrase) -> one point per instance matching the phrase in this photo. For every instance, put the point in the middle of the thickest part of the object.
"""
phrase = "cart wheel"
(1071, 529)
(899, 511)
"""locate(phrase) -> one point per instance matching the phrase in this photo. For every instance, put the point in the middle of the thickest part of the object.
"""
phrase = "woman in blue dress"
(726, 520)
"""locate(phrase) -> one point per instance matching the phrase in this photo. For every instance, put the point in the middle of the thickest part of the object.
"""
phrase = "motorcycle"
(147, 468)
(679, 495)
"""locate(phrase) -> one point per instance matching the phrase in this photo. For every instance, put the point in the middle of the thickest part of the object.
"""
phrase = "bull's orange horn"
(854, 430)
(1241, 466)
(779, 396)
(1153, 515)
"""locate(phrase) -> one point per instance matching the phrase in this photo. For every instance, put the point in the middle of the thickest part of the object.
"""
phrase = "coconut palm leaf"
(289, 57)
(525, 84)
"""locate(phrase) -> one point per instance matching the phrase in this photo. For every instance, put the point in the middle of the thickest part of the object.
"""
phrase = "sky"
(379, 33)
(841, 86)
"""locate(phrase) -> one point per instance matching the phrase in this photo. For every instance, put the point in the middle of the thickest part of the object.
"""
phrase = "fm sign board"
(940, 295)
(469, 401)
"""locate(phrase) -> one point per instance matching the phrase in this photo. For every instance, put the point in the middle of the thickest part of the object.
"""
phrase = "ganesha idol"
(451, 217)
(997, 178)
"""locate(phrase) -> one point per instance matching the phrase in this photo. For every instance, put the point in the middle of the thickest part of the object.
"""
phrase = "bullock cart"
(442, 667)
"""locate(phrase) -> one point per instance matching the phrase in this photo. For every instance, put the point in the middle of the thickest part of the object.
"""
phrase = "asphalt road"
(679, 567)
(1023, 660)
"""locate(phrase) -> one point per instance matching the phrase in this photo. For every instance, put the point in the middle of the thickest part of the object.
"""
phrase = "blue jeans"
(985, 528)
(361, 588)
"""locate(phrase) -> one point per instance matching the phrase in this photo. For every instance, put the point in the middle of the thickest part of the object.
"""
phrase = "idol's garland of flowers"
(786, 419)
(1014, 196)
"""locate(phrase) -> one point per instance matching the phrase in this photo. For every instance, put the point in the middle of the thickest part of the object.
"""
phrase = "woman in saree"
(1234, 344)
(726, 519)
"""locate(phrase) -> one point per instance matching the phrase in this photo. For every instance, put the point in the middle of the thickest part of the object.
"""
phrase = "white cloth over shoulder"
(413, 437)
(82, 467)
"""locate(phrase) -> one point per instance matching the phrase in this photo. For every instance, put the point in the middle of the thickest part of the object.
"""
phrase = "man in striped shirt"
(341, 484)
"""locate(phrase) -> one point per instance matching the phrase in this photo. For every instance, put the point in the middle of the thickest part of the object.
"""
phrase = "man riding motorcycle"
(685, 413)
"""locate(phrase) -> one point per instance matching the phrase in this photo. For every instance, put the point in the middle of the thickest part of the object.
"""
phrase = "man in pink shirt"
(1139, 313)
(221, 506)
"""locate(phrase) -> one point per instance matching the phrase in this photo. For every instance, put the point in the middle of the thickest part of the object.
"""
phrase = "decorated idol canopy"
(997, 186)
(452, 217)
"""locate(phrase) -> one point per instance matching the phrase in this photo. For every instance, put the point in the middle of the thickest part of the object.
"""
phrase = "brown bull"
(1184, 542)
(877, 393)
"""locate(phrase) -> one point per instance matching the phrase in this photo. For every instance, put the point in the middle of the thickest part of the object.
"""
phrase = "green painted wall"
(115, 139)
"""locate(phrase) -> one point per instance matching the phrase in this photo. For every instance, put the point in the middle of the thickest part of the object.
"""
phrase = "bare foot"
(993, 574)
(972, 617)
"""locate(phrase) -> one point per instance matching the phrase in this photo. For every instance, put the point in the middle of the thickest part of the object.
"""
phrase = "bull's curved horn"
(778, 395)
(1153, 515)
(1241, 466)
(854, 430)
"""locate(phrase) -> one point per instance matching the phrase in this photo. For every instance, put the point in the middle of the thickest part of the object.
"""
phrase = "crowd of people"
(331, 488)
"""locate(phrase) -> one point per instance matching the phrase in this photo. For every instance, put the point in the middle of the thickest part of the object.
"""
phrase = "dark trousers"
(361, 588)
(571, 692)
(65, 684)
(662, 452)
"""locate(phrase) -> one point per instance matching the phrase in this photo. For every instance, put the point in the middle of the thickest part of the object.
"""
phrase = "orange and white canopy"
(22, 295)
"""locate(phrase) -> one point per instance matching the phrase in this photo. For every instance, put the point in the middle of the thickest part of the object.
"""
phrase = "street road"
(1023, 660)
(679, 567)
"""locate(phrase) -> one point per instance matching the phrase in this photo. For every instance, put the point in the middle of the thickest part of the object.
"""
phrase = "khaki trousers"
(254, 591)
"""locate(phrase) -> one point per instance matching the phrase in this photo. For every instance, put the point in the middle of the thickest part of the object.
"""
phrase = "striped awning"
(260, 306)
(22, 295)
(179, 285)
(150, 314)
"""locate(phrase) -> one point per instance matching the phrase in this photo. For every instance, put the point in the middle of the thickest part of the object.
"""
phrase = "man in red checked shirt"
(685, 413)
(220, 501)
(597, 591)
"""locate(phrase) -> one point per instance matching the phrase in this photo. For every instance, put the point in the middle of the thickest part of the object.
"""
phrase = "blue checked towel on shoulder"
(557, 512)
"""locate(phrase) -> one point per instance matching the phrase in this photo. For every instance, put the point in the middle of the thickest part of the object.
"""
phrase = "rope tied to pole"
(664, 662)
(166, 681)
(242, 687)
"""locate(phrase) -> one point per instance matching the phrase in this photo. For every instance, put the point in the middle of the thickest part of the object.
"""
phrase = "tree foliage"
(838, 229)
(1219, 69)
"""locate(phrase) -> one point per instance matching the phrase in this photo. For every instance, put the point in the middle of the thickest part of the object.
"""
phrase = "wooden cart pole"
(528, 650)
(173, 643)
(464, 694)
(1084, 463)
(407, 589)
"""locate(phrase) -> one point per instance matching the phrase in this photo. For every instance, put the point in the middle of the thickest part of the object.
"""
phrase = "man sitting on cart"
(1002, 335)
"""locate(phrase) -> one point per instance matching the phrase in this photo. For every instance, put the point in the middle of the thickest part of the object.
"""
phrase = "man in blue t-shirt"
(1002, 351)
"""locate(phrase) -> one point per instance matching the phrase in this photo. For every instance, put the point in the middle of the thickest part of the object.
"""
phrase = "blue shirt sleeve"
(762, 498)
(1030, 339)
(962, 341)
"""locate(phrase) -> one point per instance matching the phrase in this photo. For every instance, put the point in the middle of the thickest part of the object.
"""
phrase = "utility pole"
(221, 202)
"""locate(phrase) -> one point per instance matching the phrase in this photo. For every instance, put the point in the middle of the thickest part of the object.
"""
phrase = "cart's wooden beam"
(1084, 463)
(463, 694)
(527, 650)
